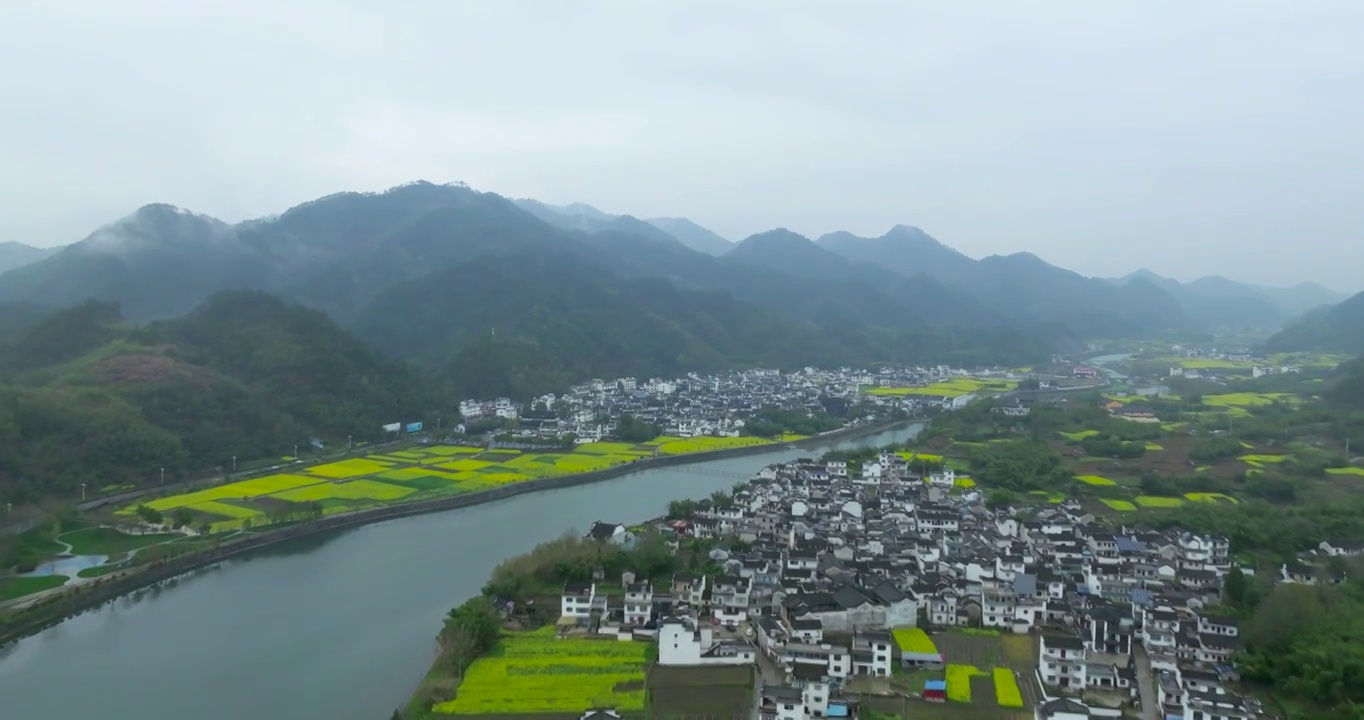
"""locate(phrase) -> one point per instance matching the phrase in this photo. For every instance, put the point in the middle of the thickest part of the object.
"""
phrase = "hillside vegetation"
(88, 398)
(1335, 329)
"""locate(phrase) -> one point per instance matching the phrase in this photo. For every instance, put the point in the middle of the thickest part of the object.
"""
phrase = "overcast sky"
(1188, 137)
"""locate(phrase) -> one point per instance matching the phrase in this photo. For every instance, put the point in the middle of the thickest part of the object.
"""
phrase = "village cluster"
(836, 566)
(697, 405)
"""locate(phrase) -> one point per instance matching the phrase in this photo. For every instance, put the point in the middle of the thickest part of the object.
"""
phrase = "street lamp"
(163, 476)
(295, 453)
(350, 442)
(234, 463)
(82, 492)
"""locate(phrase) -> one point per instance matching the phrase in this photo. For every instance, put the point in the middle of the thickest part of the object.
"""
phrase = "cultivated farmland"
(415, 473)
(538, 672)
(955, 387)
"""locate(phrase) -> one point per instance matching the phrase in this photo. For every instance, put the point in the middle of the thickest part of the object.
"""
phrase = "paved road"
(1146, 684)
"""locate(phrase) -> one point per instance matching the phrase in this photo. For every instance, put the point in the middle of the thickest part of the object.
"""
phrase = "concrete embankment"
(90, 595)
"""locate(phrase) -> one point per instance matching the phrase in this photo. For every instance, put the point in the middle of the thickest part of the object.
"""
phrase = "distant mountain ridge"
(1020, 286)
(585, 218)
(1225, 303)
(13, 255)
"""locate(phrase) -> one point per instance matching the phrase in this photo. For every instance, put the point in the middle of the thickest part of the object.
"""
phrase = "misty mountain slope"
(158, 262)
(1227, 304)
(13, 255)
(581, 217)
(906, 250)
(332, 253)
(578, 320)
(1024, 285)
(575, 216)
(1020, 286)
(692, 235)
(1301, 298)
(1218, 302)
(1339, 328)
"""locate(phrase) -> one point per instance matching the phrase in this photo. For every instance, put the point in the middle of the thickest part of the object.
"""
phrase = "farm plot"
(1211, 497)
(1346, 471)
(708, 444)
(977, 668)
(713, 692)
(955, 387)
(537, 672)
(352, 490)
(354, 467)
(1118, 505)
(1095, 480)
(1156, 502)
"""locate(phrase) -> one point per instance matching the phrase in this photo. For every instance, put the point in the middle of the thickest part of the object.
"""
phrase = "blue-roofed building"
(935, 690)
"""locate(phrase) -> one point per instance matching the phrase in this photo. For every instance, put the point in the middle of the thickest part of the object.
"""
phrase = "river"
(339, 626)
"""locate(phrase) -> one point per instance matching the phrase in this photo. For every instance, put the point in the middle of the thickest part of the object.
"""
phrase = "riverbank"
(55, 609)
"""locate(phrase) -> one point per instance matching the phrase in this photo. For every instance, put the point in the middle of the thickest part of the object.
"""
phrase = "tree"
(999, 498)
(151, 516)
(181, 517)
(1235, 588)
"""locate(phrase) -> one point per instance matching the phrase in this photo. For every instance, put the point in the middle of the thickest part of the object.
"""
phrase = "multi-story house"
(639, 603)
(580, 600)
(729, 599)
(1061, 661)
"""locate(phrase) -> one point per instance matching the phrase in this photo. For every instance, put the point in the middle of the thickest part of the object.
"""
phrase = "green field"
(1346, 471)
(1151, 501)
(1211, 497)
(1095, 480)
(416, 473)
(1119, 505)
(15, 587)
(108, 541)
(537, 672)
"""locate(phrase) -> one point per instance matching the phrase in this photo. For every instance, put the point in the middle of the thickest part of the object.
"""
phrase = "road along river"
(337, 626)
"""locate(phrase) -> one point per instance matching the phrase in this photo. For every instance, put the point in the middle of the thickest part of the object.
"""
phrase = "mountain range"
(444, 275)
(173, 339)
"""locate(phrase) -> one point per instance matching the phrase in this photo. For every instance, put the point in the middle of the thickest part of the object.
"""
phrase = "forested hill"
(1348, 388)
(86, 397)
(1339, 328)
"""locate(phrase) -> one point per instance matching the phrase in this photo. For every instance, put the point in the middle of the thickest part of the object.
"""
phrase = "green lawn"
(11, 588)
(108, 541)
(95, 572)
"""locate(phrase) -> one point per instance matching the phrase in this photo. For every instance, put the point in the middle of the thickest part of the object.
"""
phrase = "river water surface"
(334, 627)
